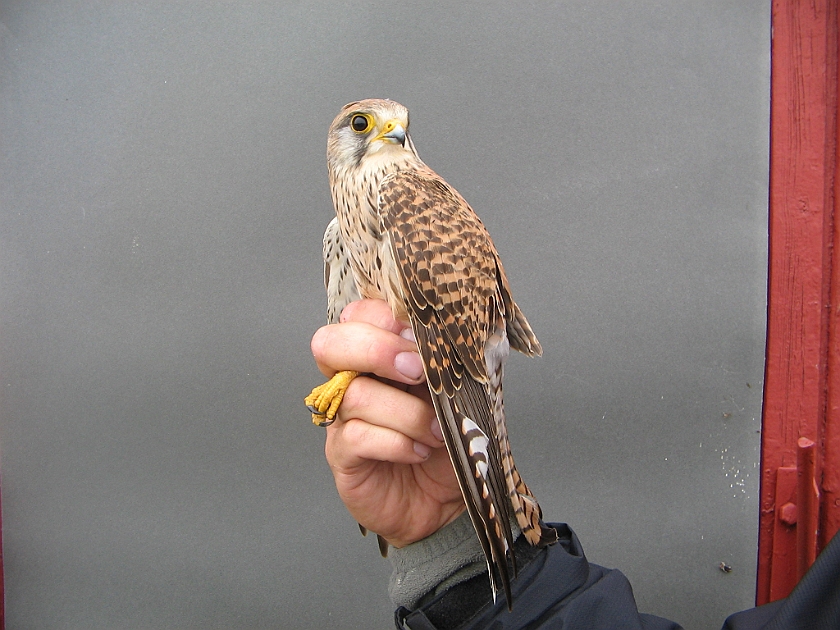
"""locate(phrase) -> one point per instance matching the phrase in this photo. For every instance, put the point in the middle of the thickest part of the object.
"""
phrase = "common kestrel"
(402, 234)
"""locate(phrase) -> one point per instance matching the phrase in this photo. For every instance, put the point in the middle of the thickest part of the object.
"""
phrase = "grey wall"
(163, 198)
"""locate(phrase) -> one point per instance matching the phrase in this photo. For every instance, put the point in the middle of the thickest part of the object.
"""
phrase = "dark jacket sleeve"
(556, 587)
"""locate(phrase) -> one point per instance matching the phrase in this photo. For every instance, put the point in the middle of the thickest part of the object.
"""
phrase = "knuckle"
(399, 443)
(356, 395)
(378, 352)
(356, 432)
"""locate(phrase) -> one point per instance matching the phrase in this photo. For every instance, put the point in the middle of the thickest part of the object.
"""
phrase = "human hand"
(386, 449)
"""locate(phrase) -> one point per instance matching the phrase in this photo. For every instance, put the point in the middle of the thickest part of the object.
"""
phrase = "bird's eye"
(361, 123)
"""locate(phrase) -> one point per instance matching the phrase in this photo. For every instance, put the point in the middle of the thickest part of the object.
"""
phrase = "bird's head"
(373, 128)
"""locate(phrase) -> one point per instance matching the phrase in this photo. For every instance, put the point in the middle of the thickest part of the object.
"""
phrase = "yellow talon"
(325, 399)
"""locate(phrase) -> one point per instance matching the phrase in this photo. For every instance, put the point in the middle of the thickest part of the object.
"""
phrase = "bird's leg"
(325, 399)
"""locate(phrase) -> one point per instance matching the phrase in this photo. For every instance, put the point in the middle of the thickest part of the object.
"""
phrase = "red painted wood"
(803, 105)
(830, 504)
(783, 565)
(807, 506)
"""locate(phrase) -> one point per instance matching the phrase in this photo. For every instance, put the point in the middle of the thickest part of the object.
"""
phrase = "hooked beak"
(393, 132)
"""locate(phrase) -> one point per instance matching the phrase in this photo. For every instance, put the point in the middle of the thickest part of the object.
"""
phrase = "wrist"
(448, 557)
(400, 543)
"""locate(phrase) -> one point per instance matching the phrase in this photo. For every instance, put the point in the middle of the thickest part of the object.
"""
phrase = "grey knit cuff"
(449, 556)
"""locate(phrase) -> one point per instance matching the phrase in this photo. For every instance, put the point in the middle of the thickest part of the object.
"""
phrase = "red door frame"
(800, 450)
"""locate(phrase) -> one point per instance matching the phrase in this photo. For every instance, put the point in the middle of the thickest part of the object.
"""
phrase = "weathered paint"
(802, 380)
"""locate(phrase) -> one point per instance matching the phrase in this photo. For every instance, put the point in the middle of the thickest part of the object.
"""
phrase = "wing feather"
(453, 289)
(455, 280)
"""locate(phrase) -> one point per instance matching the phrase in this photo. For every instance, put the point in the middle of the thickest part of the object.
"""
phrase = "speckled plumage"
(404, 235)
(338, 279)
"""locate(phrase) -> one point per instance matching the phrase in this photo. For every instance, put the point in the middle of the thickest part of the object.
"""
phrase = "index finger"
(365, 348)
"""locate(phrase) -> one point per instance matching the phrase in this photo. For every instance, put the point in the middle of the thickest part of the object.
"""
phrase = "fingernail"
(409, 365)
(436, 429)
(422, 450)
(408, 333)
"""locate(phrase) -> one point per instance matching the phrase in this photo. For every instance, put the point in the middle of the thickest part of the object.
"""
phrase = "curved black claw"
(321, 423)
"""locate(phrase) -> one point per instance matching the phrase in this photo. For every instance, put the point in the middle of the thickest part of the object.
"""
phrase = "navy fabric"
(813, 605)
(559, 588)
